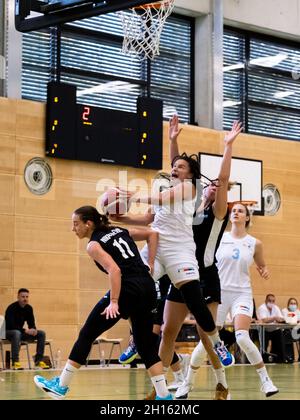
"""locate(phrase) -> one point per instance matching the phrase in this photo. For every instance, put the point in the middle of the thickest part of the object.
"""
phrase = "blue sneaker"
(51, 387)
(128, 355)
(168, 397)
(225, 357)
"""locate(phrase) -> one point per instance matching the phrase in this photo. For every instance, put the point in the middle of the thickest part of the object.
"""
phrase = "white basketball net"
(143, 26)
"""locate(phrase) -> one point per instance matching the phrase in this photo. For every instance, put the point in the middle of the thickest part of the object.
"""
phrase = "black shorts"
(210, 284)
(175, 295)
(158, 313)
(137, 295)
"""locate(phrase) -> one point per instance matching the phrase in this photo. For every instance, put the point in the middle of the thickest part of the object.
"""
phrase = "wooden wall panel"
(88, 300)
(6, 269)
(7, 116)
(30, 119)
(63, 198)
(8, 296)
(90, 277)
(7, 232)
(7, 153)
(63, 337)
(280, 277)
(55, 306)
(44, 235)
(7, 193)
(45, 271)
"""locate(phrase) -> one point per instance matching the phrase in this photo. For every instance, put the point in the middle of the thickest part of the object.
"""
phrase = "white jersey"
(176, 246)
(234, 258)
(174, 223)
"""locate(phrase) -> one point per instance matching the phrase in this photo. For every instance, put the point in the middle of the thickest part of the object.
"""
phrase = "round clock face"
(272, 199)
(38, 176)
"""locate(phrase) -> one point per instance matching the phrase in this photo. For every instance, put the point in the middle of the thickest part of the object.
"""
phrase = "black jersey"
(208, 231)
(121, 247)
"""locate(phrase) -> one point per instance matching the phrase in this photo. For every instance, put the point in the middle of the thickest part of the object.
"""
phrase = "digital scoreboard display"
(95, 134)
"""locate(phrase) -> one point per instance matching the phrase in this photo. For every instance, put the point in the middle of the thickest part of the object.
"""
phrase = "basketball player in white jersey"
(235, 255)
(171, 216)
(209, 225)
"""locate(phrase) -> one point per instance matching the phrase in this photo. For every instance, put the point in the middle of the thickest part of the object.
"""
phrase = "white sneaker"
(183, 391)
(269, 388)
(174, 385)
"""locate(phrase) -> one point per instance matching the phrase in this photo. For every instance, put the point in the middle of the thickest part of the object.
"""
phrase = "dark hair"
(247, 213)
(269, 295)
(23, 291)
(192, 160)
(288, 304)
(90, 213)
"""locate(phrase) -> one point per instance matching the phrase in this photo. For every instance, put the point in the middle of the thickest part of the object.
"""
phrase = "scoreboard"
(88, 133)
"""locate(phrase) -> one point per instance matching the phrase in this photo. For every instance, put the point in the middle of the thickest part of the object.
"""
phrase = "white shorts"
(237, 303)
(179, 266)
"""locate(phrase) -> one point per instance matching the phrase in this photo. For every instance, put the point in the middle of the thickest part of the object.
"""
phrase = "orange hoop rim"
(247, 203)
(153, 5)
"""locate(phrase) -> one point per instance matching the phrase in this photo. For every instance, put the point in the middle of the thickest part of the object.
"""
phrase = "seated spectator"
(291, 313)
(15, 317)
(269, 313)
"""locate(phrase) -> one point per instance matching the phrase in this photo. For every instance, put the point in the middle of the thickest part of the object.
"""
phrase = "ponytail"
(90, 213)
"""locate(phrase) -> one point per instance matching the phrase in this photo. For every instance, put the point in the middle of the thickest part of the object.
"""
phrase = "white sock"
(159, 383)
(178, 376)
(215, 338)
(198, 356)
(67, 374)
(263, 374)
(165, 369)
(220, 377)
(191, 376)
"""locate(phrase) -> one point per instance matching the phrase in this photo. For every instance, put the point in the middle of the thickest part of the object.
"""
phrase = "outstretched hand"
(174, 129)
(236, 129)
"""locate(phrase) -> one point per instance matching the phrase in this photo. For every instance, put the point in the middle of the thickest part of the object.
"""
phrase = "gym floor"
(133, 384)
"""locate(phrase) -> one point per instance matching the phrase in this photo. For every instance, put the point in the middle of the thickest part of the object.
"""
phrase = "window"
(88, 53)
(261, 84)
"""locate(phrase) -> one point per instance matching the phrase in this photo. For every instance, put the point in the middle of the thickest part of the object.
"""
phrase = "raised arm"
(97, 253)
(220, 204)
(149, 235)
(137, 220)
(183, 191)
(174, 132)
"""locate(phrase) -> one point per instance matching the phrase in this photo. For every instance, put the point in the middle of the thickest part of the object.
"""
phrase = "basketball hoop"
(143, 27)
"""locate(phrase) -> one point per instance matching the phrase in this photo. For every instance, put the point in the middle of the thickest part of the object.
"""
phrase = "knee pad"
(194, 300)
(249, 348)
(198, 355)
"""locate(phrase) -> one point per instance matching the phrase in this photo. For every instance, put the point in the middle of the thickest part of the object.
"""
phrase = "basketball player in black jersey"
(132, 294)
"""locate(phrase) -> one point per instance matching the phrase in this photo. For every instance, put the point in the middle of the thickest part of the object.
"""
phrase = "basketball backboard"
(247, 174)
(31, 15)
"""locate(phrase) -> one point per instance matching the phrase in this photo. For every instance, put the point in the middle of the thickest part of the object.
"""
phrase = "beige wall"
(38, 250)
(276, 17)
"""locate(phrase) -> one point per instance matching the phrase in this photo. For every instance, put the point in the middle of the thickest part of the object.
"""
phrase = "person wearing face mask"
(291, 316)
(291, 313)
(269, 313)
